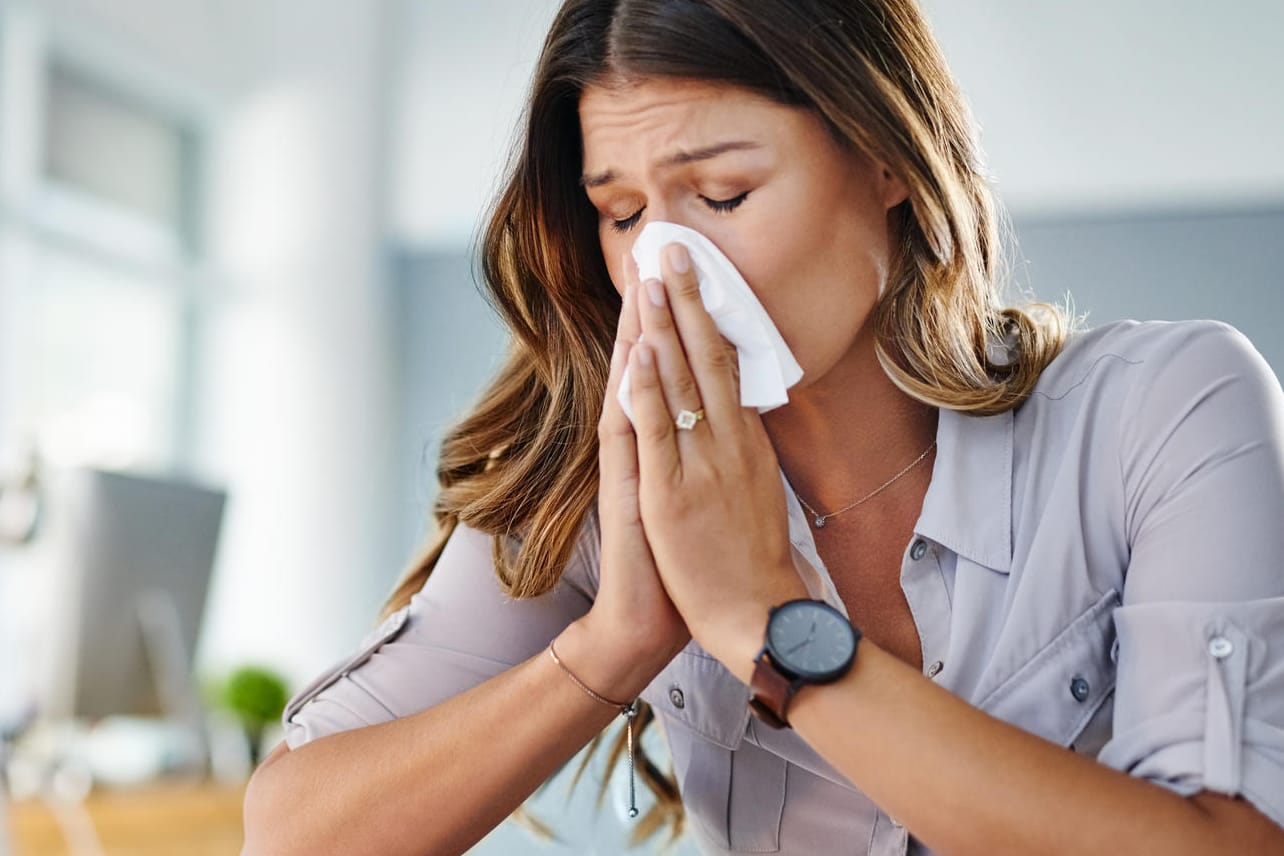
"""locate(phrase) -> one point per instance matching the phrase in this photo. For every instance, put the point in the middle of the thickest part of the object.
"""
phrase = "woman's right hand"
(632, 614)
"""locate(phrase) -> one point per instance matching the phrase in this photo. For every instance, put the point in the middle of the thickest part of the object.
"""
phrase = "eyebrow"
(676, 159)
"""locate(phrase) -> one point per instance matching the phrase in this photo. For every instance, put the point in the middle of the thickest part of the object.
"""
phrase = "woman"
(1045, 542)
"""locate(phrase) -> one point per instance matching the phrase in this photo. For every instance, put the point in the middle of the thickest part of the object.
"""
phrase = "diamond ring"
(687, 419)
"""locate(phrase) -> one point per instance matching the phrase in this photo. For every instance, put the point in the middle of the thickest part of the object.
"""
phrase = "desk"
(194, 820)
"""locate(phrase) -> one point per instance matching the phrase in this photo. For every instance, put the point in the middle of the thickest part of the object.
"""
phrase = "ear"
(892, 189)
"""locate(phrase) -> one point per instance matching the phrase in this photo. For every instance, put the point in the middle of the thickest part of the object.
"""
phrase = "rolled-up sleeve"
(1200, 689)
(458, 631)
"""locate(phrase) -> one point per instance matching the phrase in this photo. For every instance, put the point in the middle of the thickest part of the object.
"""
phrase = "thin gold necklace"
(819, 519)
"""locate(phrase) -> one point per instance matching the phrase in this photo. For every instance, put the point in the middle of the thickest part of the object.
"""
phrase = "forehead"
(672, 112)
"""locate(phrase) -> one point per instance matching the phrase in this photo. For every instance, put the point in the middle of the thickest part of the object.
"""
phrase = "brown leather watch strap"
(770, 691)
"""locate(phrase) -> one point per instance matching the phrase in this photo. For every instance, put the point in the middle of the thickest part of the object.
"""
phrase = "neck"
(850, 431)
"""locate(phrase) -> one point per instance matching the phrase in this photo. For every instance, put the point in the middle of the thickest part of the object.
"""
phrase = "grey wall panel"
(450, 343)
(1227, 266)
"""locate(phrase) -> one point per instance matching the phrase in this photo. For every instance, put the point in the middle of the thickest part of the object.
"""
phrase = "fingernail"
(679, 259)
(655, 291)
(644, 353)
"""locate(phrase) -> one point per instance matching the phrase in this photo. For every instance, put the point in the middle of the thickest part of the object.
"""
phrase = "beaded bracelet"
(628, 711)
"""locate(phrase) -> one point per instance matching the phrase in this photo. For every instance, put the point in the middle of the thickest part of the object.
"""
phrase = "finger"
(627, 331)
(617, 453)
(617, 447)
(677, 383)
(611, 410)
(657, 452)
(710, 361)
(630, 327)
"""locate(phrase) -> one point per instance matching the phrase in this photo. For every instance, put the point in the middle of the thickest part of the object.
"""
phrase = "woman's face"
(803, 218)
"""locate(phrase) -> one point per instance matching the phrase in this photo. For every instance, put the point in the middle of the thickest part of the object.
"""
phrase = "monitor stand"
(68, 778)
(167, 654)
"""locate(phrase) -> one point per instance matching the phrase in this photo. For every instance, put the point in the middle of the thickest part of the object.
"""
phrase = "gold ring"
(687, 419)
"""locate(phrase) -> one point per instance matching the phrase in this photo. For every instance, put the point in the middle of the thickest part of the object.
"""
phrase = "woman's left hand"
(712, 500)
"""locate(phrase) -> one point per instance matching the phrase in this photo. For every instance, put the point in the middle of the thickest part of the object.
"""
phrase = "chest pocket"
(734, 790)
(1059, 691)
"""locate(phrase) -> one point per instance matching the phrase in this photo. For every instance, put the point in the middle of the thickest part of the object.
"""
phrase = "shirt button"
(1079, 688)
(896, 823)
(919, 549)
(935, 669)
(1220, 647)
(676, 698)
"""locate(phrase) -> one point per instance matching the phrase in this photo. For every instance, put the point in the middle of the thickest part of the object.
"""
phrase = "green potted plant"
(257, 697)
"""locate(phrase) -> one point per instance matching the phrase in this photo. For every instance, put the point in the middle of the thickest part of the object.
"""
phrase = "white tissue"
(767, 366)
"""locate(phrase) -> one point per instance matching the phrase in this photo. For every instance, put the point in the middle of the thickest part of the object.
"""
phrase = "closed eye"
(628, 222)
(723, 206)
(720, 206)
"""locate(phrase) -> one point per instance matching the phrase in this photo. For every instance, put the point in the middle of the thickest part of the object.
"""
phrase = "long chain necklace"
(819, 519)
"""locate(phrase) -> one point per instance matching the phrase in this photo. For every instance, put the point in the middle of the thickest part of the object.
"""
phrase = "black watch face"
(811, 639)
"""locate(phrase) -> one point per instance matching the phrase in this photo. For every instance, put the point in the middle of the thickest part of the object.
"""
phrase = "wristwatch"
(808, 642)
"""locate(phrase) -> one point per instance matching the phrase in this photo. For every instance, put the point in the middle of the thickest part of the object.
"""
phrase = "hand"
(712, 500)
(632, 609)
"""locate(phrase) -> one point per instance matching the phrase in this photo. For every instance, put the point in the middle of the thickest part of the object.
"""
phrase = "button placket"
(929, 603)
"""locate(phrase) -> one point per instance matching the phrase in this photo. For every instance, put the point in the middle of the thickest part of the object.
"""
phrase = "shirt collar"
(968, 506)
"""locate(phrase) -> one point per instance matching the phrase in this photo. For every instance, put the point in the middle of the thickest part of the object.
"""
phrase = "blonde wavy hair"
(523, 462)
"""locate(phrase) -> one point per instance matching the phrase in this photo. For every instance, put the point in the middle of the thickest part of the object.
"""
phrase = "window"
(99, 258)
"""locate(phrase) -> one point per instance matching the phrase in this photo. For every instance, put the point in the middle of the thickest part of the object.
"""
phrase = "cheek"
(775, 254)
(811, 280)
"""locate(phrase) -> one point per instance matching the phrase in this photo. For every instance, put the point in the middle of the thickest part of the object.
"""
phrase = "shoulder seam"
(1087, 374)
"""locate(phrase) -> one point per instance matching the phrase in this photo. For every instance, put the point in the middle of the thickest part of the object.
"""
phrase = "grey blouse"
(1103, 567)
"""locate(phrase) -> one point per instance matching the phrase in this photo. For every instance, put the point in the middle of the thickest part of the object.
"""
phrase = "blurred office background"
(236, 259)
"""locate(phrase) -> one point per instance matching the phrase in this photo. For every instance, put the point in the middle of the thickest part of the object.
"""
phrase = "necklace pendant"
(819, 521)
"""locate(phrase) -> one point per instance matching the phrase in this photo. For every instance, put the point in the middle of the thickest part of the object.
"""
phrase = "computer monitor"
(133, 555)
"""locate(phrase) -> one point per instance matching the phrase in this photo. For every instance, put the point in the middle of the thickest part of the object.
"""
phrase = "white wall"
(1099, 105)
(298, 363)
(460, 74)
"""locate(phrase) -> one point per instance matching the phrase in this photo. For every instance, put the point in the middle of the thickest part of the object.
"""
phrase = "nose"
(659, 210)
